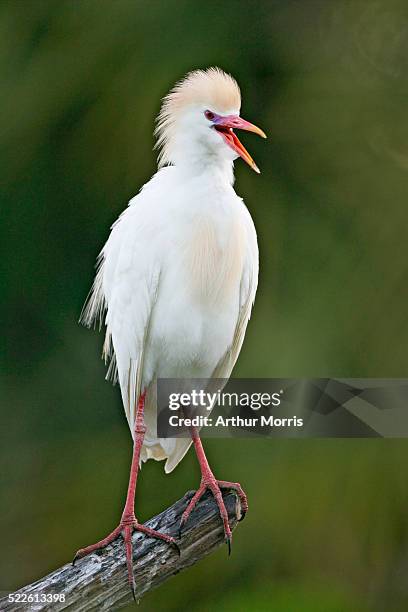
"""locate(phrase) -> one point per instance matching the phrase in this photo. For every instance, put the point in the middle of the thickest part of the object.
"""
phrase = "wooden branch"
(99, 581)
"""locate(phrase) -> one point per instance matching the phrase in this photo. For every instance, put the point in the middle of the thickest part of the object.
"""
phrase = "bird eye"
(209, 115)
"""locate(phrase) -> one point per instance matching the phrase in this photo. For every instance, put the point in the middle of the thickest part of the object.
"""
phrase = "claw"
(181, 527)
(177, 547)
(133, 589)
(229, 544)
(242, 516)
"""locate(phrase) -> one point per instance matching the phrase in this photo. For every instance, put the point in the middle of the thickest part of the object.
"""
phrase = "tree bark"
(99, 581)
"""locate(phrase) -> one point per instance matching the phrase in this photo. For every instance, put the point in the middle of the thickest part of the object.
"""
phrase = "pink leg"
(128, 522)
(208, 481)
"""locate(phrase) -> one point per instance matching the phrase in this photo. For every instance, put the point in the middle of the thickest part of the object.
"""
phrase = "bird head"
(198, 119)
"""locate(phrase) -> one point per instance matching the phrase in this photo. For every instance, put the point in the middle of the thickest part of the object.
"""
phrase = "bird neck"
(216, 169)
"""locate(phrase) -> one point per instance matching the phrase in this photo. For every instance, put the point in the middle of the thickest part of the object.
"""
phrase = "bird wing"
(248, 287)
(125, 287)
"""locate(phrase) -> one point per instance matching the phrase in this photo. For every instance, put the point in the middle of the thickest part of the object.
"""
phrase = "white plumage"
(177, 277)
(178, 274)
(176, 281)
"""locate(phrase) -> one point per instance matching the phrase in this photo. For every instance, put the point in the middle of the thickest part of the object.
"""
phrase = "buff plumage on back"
(212, 87)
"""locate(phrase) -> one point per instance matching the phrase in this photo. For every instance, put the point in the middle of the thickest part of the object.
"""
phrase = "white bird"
(177, 278)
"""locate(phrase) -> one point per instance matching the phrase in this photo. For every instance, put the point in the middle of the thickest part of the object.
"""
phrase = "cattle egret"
(177, 279)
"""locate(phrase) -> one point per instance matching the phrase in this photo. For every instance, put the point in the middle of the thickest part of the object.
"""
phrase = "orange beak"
(225, 126)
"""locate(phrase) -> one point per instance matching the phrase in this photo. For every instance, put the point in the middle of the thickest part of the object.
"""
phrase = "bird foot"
(209, 482)
(126, 527)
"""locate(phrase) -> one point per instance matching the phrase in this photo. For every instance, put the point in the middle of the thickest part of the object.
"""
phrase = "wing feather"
(248, 287)
(125, 288)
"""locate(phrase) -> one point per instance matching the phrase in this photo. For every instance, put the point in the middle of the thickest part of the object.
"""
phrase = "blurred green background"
(81, 86)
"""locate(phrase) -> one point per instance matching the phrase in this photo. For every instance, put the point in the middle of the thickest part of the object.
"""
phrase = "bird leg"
(128, 522)
(208, 481)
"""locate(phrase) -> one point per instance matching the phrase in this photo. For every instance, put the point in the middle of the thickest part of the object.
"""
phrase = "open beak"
(226, 125)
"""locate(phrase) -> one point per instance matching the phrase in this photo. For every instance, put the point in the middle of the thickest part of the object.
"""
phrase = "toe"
(190, 507)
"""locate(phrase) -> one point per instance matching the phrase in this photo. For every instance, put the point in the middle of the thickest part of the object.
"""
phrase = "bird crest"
(212, 87)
